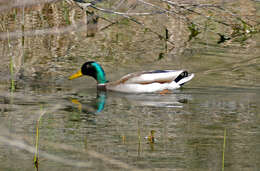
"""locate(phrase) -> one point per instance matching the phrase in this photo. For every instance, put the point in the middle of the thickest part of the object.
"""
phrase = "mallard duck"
(138, 82)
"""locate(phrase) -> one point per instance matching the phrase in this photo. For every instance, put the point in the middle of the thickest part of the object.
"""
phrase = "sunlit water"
(210, 124)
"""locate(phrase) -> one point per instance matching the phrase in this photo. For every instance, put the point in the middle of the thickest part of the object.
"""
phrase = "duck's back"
(146, 81)
(147, 77)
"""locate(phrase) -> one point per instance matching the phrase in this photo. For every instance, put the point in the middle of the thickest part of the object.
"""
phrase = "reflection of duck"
(97, 107)
(171, 100)
(101, 101)
(153, 100)
(138, 82)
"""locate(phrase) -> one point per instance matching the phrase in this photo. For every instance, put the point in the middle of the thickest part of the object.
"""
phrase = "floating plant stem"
(36, 155)
(224, 147)
(86, 143)
(123, 139)
(139, 141)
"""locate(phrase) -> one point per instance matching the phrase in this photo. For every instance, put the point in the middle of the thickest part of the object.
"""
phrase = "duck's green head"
(92, 69)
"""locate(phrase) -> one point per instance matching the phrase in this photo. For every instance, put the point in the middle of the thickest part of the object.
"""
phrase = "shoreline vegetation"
(43, 37)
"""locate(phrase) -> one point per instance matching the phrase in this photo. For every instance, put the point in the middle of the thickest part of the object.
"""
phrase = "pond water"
(46, 120)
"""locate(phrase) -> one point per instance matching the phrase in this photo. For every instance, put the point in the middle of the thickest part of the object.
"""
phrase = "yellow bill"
(76, 75)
